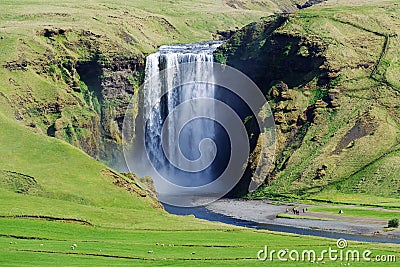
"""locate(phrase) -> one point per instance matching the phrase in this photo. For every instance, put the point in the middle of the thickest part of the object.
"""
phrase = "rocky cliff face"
(322, 132)
(113, 85)
(92, 89)
(277, 62)
(107, 86)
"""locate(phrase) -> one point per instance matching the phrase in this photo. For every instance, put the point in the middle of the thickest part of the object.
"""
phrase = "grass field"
(352, 213)
(357, 212)
(25, 241)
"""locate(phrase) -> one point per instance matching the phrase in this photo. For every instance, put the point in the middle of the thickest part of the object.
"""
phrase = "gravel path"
(262, 211)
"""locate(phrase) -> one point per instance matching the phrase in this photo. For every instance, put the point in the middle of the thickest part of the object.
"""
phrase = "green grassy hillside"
(139, 25)
(69, 69)
(331, 73)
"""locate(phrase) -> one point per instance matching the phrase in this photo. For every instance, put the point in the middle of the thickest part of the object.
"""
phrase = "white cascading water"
(175, 149)
(188, 134)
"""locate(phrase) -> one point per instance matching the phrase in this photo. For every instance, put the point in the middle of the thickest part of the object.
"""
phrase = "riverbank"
(272, 213)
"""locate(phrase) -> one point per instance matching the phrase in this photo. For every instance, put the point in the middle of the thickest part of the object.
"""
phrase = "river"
(204, 213)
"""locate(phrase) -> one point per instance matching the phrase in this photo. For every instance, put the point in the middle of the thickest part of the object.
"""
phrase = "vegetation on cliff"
(331, 75)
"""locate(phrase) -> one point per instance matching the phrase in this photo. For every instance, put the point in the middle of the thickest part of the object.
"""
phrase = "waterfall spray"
(190, 135)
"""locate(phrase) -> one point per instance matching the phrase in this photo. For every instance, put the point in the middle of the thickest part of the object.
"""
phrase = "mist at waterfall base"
(189, 135)
(200, 137)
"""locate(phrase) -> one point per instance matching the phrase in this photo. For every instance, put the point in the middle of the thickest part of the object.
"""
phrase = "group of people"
(296, 211)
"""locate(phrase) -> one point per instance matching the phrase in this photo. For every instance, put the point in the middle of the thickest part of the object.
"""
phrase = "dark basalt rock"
(309, 3)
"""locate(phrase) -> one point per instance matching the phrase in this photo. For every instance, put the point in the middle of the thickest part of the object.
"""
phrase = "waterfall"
(190, 135)
(178, 145)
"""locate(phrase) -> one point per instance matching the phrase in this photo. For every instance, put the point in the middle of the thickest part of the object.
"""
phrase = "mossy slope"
(331, 78)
